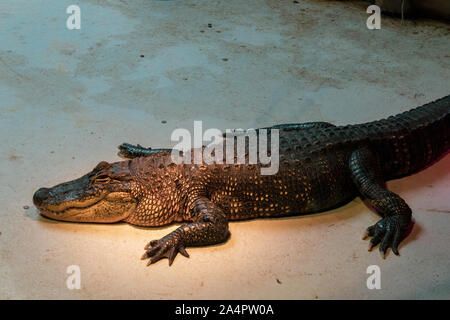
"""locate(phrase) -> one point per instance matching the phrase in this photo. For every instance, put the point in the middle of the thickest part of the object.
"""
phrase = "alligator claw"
(388, 232)
(151, 243)
(365, 235)
(183, 252)
(167, 247)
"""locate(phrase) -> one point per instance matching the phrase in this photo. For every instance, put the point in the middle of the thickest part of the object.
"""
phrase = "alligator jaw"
(109, 208)
(65, 213)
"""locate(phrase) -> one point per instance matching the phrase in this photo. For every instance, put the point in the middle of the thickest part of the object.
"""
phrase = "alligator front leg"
(130, 151)
(209, 226)
(396, 222)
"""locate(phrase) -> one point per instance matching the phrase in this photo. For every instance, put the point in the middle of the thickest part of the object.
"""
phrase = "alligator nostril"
(41, 195)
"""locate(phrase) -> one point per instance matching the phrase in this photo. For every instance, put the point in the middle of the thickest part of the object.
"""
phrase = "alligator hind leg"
(130, 151)
(396, 222)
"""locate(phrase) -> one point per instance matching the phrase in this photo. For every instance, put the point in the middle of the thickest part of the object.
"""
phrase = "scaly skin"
(321, 166)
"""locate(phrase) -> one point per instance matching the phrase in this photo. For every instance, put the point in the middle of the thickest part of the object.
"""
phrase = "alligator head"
(102, 195)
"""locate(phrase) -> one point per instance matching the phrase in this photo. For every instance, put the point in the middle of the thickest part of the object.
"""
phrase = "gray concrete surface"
(68, 98)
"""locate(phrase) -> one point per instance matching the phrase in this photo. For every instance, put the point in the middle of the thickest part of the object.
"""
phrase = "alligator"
(321, 166)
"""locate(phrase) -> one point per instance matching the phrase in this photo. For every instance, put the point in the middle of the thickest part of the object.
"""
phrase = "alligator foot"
(167, 247)
(389, 232)
(393, 228)
(130, 151)
(127, 150)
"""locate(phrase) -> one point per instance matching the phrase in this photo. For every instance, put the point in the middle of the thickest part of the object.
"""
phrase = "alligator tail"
(412, 140)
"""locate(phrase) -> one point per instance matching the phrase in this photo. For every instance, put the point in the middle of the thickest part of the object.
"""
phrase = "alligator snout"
(40, 196)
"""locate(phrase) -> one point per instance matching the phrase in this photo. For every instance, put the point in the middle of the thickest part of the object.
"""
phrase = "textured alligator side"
(321, 166)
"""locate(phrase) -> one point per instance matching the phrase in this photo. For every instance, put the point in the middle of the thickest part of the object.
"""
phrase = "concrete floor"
(68, 98)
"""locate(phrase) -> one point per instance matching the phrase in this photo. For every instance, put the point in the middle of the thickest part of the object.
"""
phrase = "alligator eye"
(102, 178)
